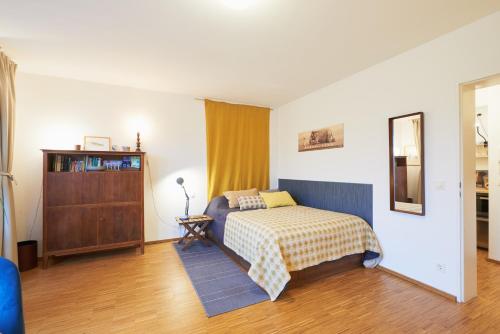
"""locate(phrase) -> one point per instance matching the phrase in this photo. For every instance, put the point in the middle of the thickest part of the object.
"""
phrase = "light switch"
(440, 185)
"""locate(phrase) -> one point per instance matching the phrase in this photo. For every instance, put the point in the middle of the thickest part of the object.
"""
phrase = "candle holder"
(138, 143)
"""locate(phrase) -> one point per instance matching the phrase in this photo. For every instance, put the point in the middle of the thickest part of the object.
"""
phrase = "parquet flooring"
(121, 292)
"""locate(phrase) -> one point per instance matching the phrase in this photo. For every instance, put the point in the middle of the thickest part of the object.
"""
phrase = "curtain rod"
(218, 100)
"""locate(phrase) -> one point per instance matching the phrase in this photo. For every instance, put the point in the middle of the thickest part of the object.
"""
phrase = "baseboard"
(153, 242)
(420, 284)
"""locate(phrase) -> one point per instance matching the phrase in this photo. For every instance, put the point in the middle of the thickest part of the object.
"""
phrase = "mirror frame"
(391, 162)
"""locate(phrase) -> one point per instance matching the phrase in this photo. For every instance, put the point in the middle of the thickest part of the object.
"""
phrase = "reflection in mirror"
(407, 163)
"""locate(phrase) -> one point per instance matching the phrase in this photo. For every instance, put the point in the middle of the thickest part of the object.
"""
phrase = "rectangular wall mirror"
(406, 154)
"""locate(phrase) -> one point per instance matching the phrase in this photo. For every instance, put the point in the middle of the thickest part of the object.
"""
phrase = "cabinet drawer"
(119, 223)
(64, 188)
(93, 188)
(71, 227)
(121, 187)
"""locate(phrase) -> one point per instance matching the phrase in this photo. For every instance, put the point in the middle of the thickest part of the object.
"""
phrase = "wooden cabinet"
(401, 179)
(89, 211)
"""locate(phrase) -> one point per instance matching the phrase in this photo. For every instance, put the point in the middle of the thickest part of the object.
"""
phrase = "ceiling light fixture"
(238, 4)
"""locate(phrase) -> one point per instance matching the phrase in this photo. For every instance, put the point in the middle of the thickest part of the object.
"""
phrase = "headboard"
(352, 198)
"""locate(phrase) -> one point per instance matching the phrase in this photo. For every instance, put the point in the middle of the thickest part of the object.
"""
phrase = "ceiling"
(270, 53)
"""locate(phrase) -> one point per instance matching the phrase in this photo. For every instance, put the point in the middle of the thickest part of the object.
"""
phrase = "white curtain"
(8, 237)
(417, 134)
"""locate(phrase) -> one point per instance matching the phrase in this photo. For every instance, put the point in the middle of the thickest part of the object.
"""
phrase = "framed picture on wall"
(330, 137)
(93, 143)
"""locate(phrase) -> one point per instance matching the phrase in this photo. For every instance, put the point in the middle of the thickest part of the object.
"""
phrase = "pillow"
(232, 196)
(270, 190)
(278, 198)
(251, 202)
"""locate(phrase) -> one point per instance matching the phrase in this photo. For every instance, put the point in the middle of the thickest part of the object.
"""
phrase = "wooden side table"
(195, 226)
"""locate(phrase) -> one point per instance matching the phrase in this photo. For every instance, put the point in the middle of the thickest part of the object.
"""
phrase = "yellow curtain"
(237, 147)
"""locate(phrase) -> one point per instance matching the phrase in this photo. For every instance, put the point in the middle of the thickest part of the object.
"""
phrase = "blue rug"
(219, 282)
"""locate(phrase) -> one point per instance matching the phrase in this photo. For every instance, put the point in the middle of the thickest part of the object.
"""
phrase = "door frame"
(468, 238)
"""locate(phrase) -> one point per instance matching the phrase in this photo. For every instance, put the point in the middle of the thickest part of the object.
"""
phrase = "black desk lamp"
(180, 181)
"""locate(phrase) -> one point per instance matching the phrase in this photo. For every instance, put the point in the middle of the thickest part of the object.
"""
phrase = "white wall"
(56, 113)
(424, 79)
(493, 93)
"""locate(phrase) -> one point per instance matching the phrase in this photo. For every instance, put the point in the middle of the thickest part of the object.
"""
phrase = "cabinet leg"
(45, 262)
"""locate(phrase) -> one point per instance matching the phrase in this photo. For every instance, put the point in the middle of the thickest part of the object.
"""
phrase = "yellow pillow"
(277, 198)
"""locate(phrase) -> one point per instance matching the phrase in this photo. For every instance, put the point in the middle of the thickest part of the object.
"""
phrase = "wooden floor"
(122, 292)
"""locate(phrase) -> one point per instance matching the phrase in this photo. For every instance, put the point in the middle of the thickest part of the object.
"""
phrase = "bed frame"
(304, 276)
(351, 198)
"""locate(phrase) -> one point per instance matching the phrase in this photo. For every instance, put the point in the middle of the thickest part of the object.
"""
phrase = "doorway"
(480, 178)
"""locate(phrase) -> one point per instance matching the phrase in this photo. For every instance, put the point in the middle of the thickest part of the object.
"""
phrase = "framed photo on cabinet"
(93, 143)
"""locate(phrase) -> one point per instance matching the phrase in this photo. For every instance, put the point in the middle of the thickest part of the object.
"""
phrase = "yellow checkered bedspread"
(280, 240)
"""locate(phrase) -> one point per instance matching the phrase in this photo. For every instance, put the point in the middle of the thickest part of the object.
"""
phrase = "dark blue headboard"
(353, 198)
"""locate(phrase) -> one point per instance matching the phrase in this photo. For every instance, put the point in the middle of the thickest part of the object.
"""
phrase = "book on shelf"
(67, 163)
(126, 162)
(130, 163)
(135, 162)
(64, 163)
(94, 161)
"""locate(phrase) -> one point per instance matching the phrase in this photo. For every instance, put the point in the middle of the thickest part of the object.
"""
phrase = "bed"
(329, 231)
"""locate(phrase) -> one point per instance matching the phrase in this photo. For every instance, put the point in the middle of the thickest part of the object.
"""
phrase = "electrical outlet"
(441, 268)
